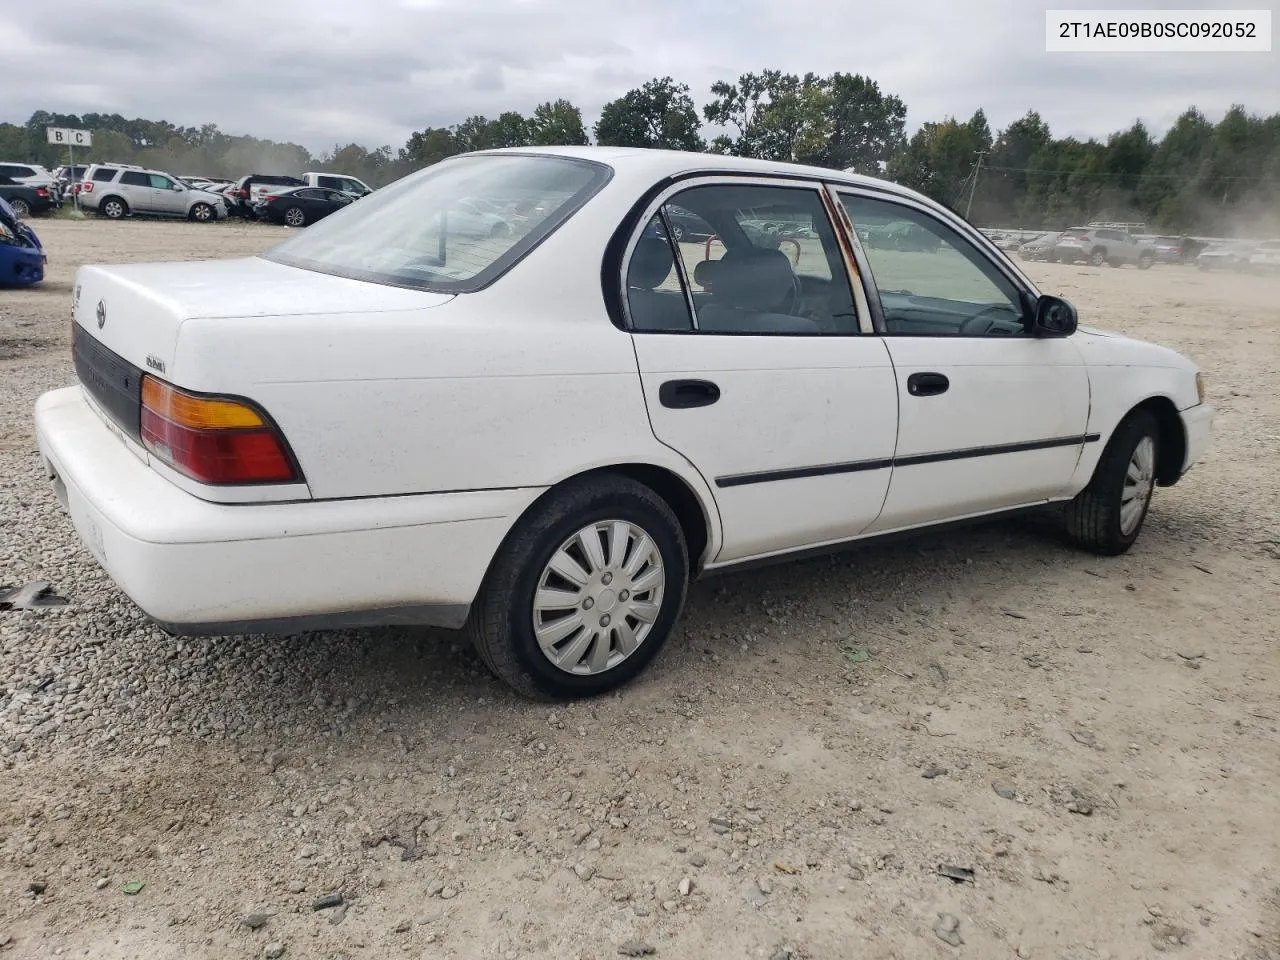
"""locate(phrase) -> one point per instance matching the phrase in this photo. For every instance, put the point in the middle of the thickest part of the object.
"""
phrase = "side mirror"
(1054, 317)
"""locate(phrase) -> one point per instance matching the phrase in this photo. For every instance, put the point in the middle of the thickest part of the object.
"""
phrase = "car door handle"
(927, 384)
(681, 394)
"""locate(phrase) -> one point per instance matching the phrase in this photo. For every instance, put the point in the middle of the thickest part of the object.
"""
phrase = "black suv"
(250, 190)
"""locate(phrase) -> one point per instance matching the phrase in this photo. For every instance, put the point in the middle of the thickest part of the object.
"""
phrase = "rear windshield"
(453, 227)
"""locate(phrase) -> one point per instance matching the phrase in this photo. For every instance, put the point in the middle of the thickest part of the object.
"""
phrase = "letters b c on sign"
(68, 137)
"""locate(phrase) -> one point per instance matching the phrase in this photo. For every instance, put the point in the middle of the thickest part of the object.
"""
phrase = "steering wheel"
(978, 324)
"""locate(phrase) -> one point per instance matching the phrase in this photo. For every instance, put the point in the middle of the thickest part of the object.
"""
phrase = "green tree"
(660, 114)
(557, 123)
(777, 116)
(866, 126)
(425, 147)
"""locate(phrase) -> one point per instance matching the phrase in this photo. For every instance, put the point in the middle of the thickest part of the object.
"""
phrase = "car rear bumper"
(198, 567)
(1197, 422)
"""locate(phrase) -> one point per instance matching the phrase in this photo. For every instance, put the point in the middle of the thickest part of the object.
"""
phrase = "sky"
(326, 72)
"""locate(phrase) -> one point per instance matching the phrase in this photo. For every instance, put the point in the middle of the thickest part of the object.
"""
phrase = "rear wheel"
(113, 208)
(584, 591)
(1107, 516)
(20, 208)
(294, 217)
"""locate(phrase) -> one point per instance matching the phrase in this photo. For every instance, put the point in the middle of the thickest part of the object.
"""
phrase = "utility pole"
(974, 186)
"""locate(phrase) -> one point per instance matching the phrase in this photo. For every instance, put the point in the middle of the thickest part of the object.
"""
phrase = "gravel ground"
(1094, 739)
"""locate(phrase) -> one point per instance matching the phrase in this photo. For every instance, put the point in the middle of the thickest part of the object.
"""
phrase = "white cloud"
(323, 71)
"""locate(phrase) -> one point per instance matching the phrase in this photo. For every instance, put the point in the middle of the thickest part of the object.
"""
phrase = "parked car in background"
(66, 177)
(248, 190)
(22, 258)
(1042, 247)
(115, 191)
(25, 198)
(352, 186)
(1101, 246)
(543, 435)
(299, 206)
(1227, 255)
(28, 173)
(1266, 257)
(1176, 249)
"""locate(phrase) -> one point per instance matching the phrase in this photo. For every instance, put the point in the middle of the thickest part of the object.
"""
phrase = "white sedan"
(544, 435)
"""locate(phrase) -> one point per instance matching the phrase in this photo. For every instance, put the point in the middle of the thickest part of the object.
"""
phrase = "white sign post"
(71, 138)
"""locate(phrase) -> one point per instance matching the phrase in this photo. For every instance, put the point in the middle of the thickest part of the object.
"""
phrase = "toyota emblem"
(102, 314)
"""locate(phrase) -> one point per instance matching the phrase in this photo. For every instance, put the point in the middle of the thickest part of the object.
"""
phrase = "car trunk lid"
(127, 318)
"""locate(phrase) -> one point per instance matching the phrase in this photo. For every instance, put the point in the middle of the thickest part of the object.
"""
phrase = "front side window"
(931, 281)
(450, 227)
(757, 260)
(160, 182)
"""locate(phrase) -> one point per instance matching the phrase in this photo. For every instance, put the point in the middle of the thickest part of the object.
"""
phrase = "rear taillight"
(87, 187)
(42, 192)
(244, 194)
(213, 440)
(268, 198)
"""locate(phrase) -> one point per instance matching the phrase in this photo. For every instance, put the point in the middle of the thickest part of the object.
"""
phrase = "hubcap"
(1139, 480)
(294, 217)
(598, 597)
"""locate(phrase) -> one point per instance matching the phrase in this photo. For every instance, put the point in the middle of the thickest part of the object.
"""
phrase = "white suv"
(117, 190)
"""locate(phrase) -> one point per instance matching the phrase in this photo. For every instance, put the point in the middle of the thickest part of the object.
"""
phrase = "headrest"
(650, 264)
(757, 280)
(704, 274)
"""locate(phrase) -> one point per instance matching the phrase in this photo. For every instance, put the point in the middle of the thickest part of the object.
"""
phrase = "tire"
(20, 208)
(1098, 258)
(500, 230)
(1096, 519)
(203, 213)
(677, 233)
(113, 208)
(502, 622)
(295, 217)
(1146, 261)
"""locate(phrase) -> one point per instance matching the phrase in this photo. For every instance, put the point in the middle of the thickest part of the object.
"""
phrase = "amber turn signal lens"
(196, 413)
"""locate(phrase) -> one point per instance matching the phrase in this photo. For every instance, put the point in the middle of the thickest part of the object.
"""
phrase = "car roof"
(668, 163)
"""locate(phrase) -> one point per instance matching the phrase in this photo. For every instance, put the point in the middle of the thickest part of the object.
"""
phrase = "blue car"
(22, 257)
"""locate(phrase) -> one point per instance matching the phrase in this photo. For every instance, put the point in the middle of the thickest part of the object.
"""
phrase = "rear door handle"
(927, 384)
(681, 394)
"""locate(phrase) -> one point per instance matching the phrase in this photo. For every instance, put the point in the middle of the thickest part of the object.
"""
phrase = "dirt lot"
(763, 792)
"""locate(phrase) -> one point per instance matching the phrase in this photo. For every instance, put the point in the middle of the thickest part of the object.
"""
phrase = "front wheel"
(1099, 258)
(1107, 516)
(294, 217)
(584, 591)
(202, 212)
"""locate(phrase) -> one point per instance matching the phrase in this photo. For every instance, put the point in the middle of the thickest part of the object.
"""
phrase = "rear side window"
(104, 175)
(132, 178)
(16, 170)
(333, 183)
(421, 232)
(760, 260)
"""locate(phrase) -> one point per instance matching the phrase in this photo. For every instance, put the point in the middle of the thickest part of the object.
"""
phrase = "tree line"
(1200, 177)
